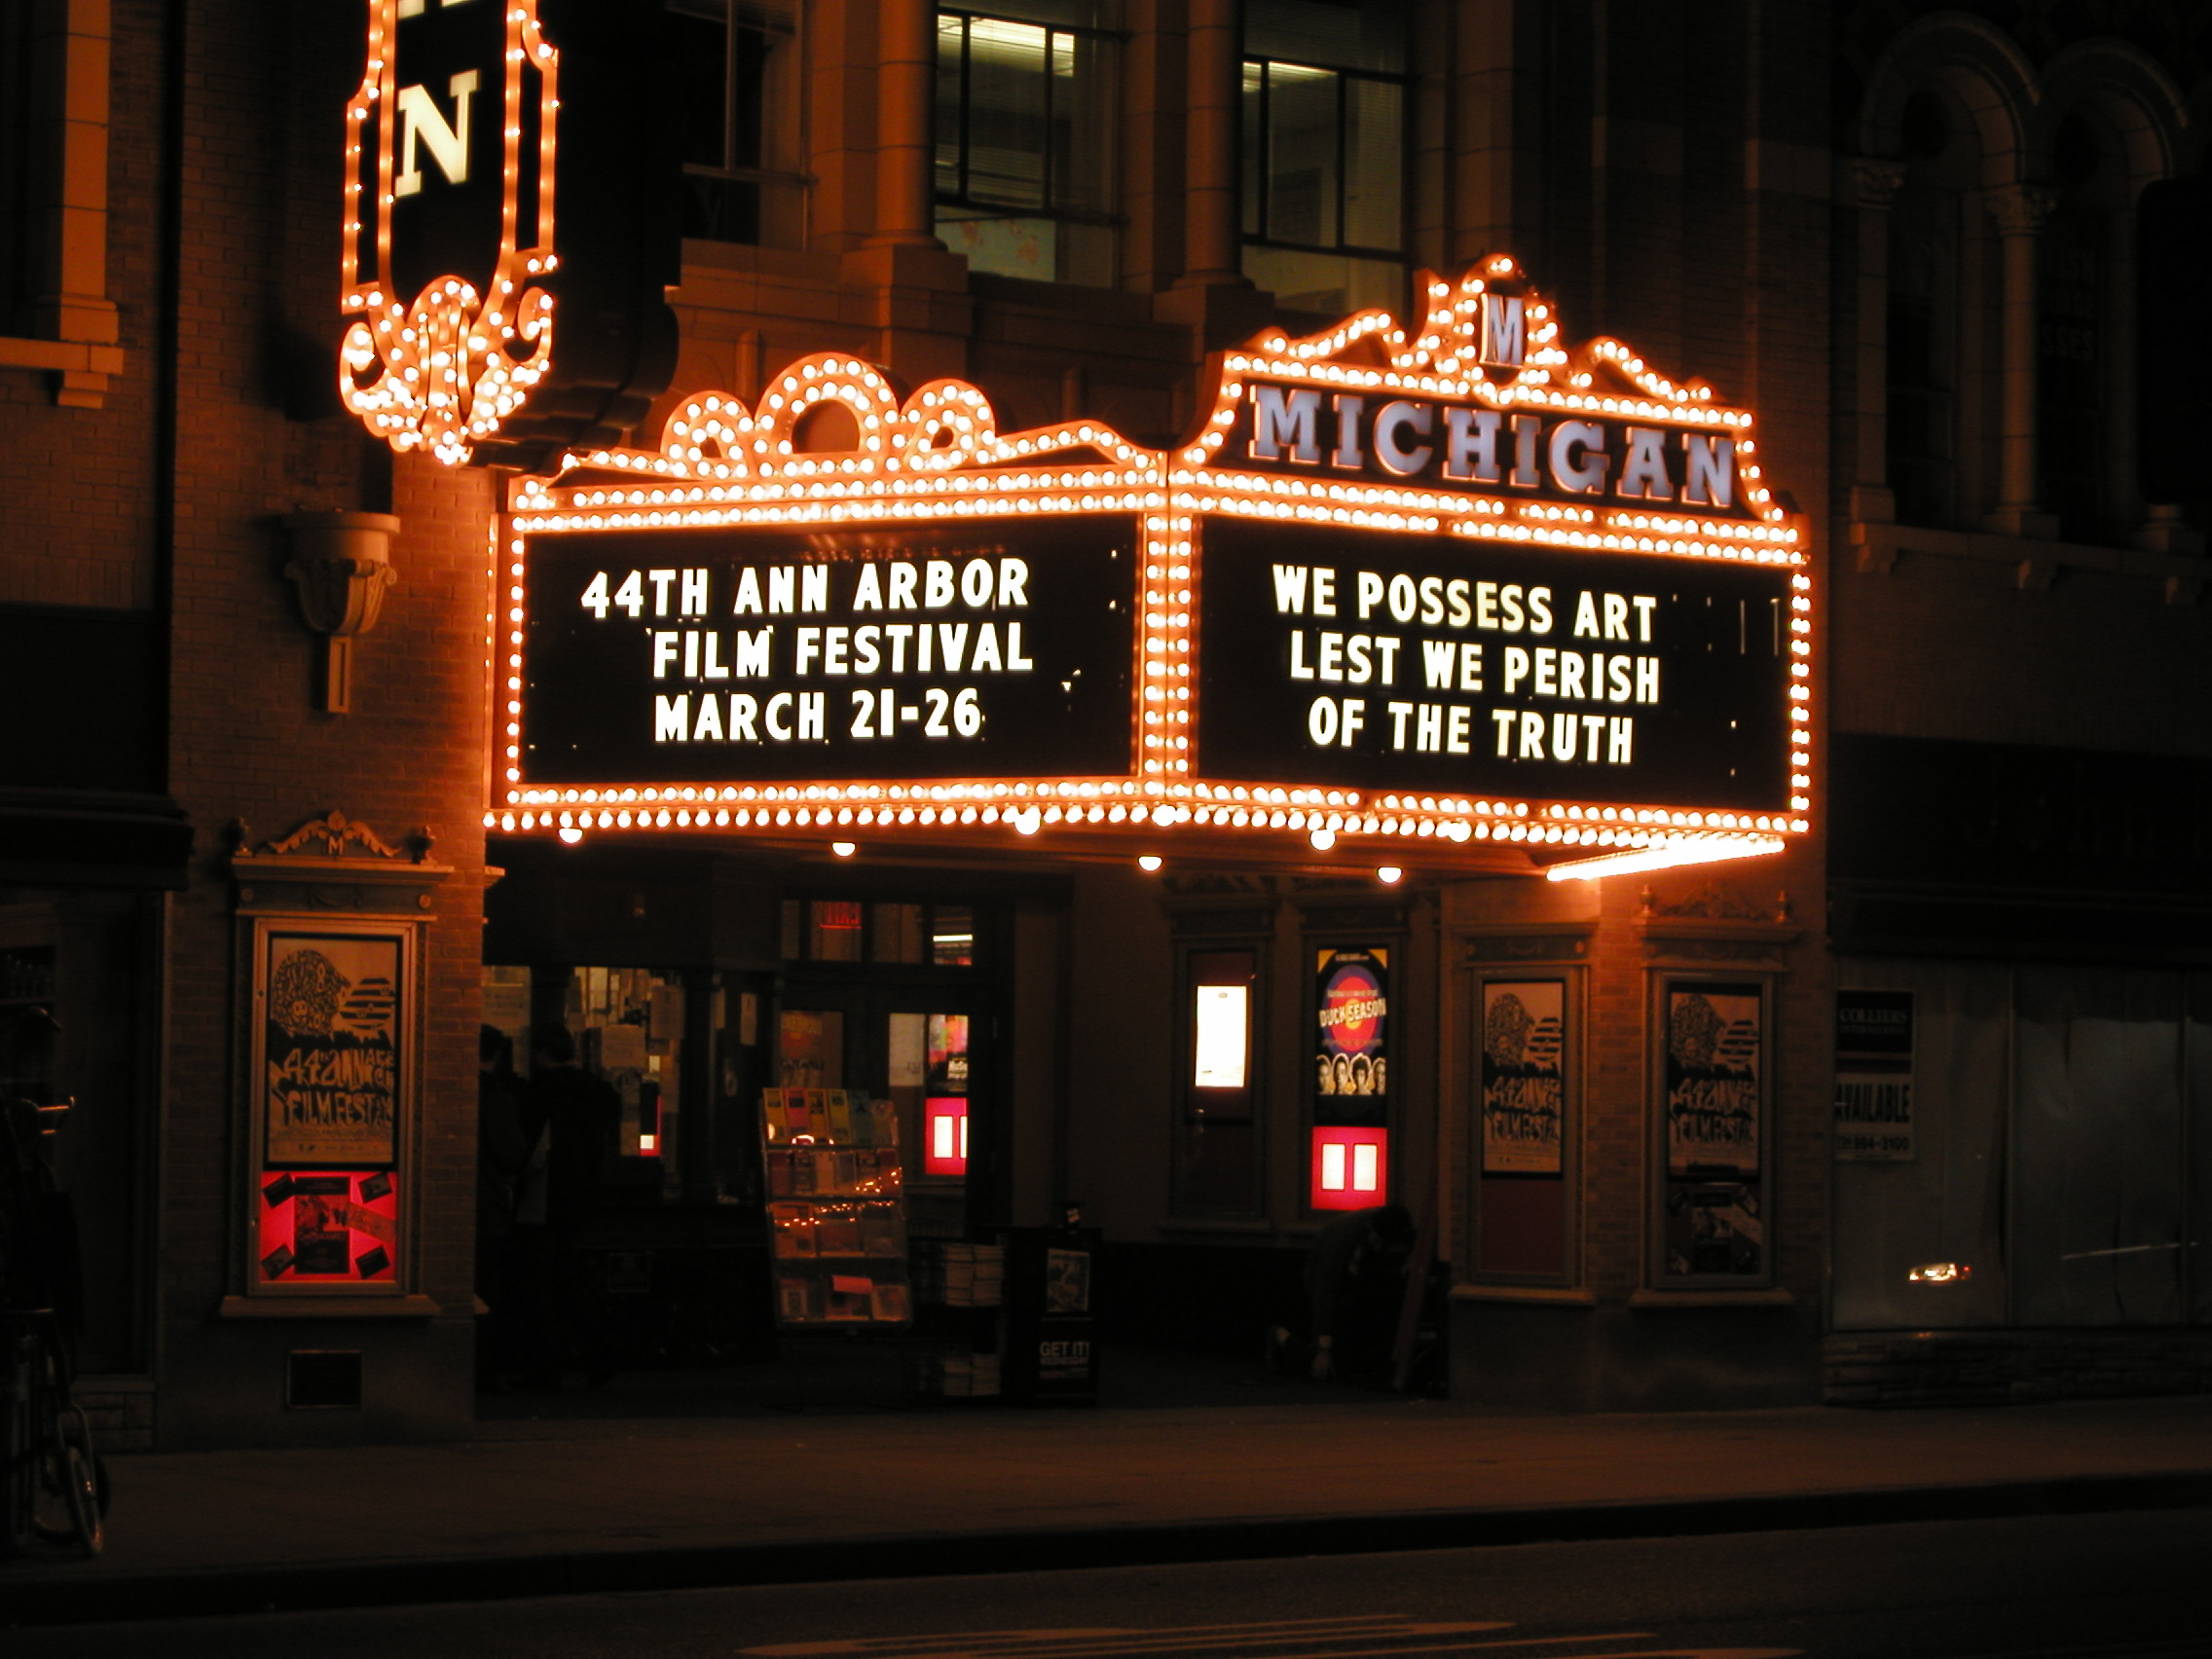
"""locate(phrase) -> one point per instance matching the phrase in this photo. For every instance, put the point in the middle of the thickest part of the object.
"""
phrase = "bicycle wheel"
(65, 1502)
(67, 1508)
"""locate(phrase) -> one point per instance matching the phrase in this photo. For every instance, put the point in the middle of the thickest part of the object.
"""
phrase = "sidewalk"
(533, 1508)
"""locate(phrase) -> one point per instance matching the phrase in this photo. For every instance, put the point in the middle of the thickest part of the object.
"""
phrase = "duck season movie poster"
(1523, 1029)
(331, 1051)
(1713, 1079)
(1352, 1064)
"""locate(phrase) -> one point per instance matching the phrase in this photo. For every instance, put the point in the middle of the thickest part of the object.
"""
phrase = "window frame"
(56, 140)
(1341, 249)
(961, 198)
(779, 81)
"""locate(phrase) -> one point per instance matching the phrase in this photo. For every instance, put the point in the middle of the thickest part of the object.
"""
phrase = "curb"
(220, 1592)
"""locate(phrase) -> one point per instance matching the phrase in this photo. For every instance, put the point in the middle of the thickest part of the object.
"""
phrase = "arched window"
(1923, 322)
(1926, 336)
(2076, 349)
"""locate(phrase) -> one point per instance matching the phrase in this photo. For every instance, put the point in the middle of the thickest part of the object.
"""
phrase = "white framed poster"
(1714, 1063)
(331, 1045)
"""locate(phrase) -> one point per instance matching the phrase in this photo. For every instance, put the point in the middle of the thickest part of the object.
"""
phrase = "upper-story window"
(2076, 359)
(1925, 310)
(1324, 142)
(54, 312)
(1024, 139)
(736, 63)
(15, 162)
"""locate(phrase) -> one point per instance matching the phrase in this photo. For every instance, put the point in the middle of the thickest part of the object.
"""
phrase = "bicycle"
(56, 1483)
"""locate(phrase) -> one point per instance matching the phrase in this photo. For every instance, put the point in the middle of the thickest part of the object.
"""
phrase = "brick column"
(906, 111)
(1209, 200)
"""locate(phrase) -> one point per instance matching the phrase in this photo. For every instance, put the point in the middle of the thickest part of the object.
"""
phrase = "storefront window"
(1025, 141)
(897, 935)
(2039, 1155)
(856, 931)
(688, 1054)
(1324, 130)
(952, 936)
(836, 930)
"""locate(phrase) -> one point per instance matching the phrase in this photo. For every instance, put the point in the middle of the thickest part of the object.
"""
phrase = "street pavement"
(533, 1508)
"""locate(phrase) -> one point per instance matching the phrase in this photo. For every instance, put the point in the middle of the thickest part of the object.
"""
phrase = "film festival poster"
(331, 1051)
(1353, 992)
(1713, 1079)
(1523, 1075)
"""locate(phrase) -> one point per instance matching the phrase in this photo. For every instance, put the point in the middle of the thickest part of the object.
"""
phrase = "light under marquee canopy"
(1445, 592)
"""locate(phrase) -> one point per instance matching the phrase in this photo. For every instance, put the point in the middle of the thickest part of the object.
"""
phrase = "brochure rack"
(960, 1287)
(836, 1214)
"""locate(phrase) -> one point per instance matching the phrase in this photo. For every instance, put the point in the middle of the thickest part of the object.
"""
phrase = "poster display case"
(1526, 1048)
(330, 992)
(333, 1040)
(1351, 1079)
(1710, 1075)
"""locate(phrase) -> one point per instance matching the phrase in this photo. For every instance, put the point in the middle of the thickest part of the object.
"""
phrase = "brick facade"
(1677, 177)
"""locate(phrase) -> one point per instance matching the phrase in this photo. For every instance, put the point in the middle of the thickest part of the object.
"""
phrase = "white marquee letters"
(421, 120)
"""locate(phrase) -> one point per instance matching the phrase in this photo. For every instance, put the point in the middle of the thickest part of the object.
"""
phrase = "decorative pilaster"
(2019, 210)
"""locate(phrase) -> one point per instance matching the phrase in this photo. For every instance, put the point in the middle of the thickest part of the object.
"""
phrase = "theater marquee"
(1448, 583)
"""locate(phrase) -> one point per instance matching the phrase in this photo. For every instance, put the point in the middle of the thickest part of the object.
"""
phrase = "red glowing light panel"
(330, 1227)
(945, 1136)
(1351, 1168)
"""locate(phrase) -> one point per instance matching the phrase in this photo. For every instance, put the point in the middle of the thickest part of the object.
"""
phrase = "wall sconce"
(341, 563)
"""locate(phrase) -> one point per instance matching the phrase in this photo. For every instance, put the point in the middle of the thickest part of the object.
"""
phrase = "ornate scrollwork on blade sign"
(447, 343)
